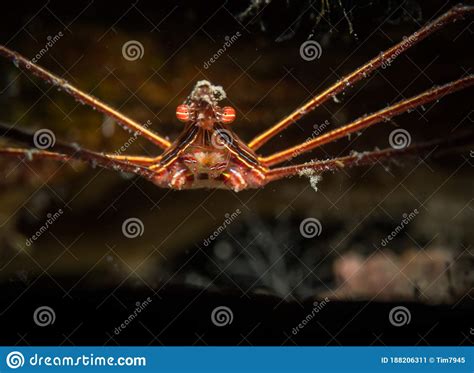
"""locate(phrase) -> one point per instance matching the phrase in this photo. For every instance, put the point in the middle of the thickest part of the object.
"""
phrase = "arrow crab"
(208, 153)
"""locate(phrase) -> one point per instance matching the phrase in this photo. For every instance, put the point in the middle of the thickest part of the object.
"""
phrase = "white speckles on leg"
(29, 154)
(314, 178)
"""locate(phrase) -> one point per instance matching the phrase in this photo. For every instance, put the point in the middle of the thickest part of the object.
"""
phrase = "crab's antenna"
(83, 97)
(453, 15)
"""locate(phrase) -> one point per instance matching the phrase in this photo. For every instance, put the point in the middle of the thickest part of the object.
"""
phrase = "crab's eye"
(183, 113)
(228, 114)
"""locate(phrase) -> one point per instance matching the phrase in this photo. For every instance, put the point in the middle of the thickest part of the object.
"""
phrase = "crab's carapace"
(208, 153)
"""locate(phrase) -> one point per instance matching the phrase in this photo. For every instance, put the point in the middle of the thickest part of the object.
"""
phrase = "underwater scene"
(249, 172)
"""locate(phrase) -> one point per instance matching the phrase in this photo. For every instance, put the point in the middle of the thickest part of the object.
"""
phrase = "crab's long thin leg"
(64, 152)
(32, 154)
(67, 153)
(453, 15)
(369, 120)
(36, 154)
(370, 158)
(83, 97)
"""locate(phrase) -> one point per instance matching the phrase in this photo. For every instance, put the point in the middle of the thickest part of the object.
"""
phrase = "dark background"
(92, 276)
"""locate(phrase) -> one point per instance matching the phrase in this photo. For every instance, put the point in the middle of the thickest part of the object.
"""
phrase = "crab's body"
(209, 158)
(208, 154)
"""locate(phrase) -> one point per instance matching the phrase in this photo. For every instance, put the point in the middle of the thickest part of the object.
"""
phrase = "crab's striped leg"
(453, 15)
(36, 154)
(83, 97)
(369, 120)
(65, 152)
(32, 154)
(370, 158)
